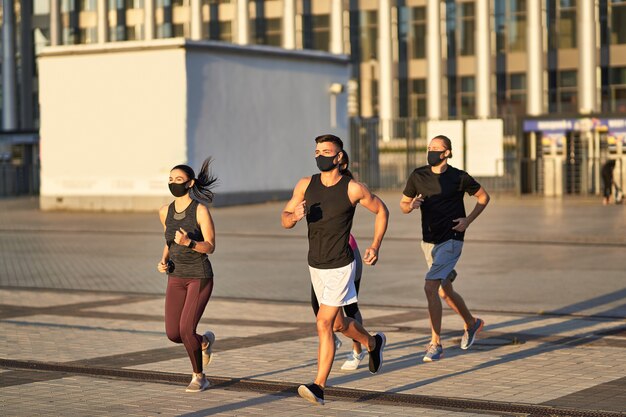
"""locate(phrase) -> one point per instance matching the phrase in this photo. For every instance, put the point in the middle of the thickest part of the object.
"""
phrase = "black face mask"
(434, 158)
(325, 163)
(179, 190)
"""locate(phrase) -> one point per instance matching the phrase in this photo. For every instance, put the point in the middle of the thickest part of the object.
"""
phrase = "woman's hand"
(181, 237)
(162, 266)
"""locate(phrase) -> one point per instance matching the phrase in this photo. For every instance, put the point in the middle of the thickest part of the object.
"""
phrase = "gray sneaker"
(470, 334)
(198, 383)
(433, 353)
(209, 339)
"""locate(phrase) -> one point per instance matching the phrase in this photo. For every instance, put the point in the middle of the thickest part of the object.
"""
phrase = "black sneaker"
(312, 393)
(376, 355)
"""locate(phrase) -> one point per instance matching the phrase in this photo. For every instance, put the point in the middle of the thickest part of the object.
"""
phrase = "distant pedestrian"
(437, 189)
(607, 181)
(189, 237)
(328, 200)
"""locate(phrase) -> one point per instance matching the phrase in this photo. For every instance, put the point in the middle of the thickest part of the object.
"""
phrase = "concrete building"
(419, 59)
(412, 58)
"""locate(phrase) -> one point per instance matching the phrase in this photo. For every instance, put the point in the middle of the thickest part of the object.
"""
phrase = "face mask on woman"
(179, 190)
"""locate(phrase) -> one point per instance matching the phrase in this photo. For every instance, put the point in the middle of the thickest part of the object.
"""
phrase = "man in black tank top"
(328, 201)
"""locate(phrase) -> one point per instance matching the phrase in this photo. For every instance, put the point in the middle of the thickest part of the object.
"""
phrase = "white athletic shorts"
(334, 287)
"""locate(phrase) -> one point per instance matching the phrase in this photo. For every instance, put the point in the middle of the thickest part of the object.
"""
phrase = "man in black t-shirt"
(437, 189)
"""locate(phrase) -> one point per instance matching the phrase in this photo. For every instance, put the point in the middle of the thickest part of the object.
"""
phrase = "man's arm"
(408, 204)
(359, 193)
(464, 222)
(295, 209)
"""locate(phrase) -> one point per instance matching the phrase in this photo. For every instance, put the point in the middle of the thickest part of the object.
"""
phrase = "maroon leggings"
(185, 300)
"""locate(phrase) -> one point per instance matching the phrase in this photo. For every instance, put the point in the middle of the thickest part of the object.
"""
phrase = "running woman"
(190, 238)
(437, 189)
(329, 200)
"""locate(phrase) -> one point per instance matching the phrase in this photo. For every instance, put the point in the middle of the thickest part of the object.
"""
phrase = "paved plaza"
(82, 334)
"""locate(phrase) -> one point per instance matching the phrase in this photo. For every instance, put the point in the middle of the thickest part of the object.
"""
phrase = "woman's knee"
(174, 335)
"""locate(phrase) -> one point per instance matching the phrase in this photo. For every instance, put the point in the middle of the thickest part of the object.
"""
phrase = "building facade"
(434, 59)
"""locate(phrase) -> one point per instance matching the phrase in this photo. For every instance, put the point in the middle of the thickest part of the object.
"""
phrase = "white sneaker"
(353, 361)
(338, 342)
(198, 383)
(209, 339)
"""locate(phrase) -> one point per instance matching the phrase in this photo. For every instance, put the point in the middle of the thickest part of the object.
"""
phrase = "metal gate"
(387, 164)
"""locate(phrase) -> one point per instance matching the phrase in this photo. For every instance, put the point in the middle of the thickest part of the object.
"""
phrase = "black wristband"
(192, 244)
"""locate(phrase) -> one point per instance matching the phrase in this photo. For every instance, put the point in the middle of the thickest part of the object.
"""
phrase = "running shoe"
(198, 383)
(208, 338)
(353, 361)
(376, 355)
(433, 353)
(470, 334)
(313, 393)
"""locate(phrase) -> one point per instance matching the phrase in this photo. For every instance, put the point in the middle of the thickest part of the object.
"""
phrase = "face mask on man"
(434, 158)
(325, 163)
(179, 190)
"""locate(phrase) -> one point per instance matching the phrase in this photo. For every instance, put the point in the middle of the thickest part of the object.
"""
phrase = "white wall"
(257, 113)
(484, 143)
(116, 117)
(112, 122)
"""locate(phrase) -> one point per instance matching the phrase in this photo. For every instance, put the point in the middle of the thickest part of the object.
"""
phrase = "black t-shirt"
(443, 200)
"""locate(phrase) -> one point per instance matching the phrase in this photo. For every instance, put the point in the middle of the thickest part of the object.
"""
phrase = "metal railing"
(18, 180)
(387, 164)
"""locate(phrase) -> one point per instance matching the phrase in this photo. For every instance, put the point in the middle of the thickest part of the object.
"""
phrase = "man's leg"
(351, 328)
(472, 325)
(431, 288)
(326, 350)
(456, 303)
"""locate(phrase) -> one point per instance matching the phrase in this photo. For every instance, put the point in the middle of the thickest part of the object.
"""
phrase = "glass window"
(88, 35)
(618, 75)
(226, 31)
(68, 6)
(321, 32)
(164, 31)
(273, 31)
(618, 22)
(567, 24)
(466, 29)
(517, 81)
(467, 84)
(417, 35)
(87, 5)
(567, 79)
(369, 35)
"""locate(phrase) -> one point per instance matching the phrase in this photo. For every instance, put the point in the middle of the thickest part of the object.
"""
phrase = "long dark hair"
(343, 166)
(203, 185)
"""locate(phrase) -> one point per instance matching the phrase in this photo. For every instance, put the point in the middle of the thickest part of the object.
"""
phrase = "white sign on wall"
(453, 129)
(484, 145)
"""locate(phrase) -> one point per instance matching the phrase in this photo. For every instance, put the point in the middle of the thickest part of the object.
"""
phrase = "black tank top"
(329, 217)
(187, 262)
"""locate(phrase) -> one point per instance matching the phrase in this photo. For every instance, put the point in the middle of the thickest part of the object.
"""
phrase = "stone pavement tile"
(15, 297)
(64, 344)
(83, 396)
(134, 328)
